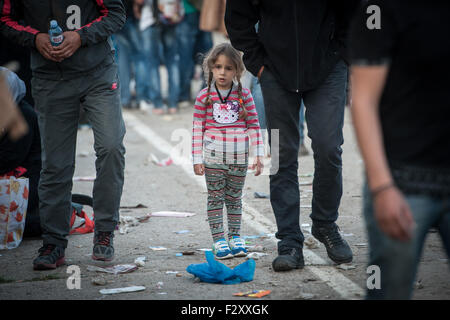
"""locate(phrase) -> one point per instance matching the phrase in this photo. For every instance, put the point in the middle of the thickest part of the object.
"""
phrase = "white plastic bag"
(13, 209)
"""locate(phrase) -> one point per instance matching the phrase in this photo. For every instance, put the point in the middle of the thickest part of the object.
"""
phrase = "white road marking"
(346, 288)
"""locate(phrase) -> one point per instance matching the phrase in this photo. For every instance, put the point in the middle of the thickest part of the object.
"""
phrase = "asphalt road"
(159, 240)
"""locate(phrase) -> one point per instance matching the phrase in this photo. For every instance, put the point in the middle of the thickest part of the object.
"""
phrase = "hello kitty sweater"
(218, 133)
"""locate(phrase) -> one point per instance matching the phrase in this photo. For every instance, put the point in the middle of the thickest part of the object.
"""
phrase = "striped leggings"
(225, 183)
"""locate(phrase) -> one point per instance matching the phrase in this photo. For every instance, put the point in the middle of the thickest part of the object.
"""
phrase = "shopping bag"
(13, 210)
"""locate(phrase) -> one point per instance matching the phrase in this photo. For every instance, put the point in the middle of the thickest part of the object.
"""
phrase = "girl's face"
(223, 72)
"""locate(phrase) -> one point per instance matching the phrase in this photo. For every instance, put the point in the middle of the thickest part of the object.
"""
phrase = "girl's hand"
(199, 169)
(258, 165)
(393, 214)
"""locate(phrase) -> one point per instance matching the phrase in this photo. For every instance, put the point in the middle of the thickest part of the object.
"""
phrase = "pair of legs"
(132, 60)
(225, 183)
(398, 261)
(58, 103)
(259, 104)
(160, 43)
(191, 41)
(324, 117)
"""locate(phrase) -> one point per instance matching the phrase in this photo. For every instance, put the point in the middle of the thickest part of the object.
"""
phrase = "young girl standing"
(224, 119)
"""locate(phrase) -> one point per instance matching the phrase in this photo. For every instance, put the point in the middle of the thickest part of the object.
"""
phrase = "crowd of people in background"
(156, 33)
(405, 150)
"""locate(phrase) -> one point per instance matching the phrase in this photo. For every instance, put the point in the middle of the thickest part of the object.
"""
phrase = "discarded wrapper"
(181, 231)
(255, 248)
(158, 248)
(311, 242)
(117, 269)
(88, 178)
(252, 294)
(122, 290)
(140, 261)
(256, 255)
(345, 266)
(162, 163)
(261, 195)
(138, 206)
(171, 214)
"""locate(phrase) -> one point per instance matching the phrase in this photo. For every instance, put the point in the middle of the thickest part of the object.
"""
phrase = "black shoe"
(50, 257)
(103, 246)
(337, 248)
(288, 259)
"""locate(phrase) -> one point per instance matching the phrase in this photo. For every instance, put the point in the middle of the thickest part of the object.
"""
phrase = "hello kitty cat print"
(227, 112)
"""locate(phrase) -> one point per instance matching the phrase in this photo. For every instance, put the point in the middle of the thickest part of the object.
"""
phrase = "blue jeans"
(398, 261)
(128, 42)
(325, 118)
(155, 38)
(191, 40)
(259, 101)
(301, 125)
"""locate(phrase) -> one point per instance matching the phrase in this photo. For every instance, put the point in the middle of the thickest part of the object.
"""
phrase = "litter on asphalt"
(117, 269)
(140, 261)
(157, 248)
(122, 290)
(252, 294)
(261, 195)
(171, 214)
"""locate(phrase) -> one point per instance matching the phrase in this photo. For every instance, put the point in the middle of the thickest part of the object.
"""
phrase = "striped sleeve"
(10, 27)
(110, 20)
(252, 122)
(198, 128)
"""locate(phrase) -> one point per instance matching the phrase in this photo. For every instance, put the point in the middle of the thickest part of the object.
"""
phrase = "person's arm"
(371, 52)
(112, 18)
(23, 35)
(10, 26)
(254, 132)
(391, 210)
(241, 17)
(198, 129)
(11, 120)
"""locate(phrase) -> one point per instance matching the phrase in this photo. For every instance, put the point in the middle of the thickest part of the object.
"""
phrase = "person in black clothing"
(80, 71)
(401, 111)
(25, 152)
(299, 54)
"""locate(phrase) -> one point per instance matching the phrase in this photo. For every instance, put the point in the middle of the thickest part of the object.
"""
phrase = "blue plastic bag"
(215, 272)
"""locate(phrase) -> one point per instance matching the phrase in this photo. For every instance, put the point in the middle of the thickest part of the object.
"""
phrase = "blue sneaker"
(221, 250)
(237, 246)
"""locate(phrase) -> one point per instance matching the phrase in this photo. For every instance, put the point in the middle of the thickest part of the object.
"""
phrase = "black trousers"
(324, 116)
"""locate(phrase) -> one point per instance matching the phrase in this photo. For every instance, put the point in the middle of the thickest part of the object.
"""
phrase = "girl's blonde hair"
(231, 53)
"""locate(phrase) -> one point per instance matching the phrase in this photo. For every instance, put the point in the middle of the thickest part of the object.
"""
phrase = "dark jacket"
(22, 20)
(300, 41)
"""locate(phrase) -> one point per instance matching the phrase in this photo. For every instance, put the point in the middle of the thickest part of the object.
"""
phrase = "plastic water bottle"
(55, 33)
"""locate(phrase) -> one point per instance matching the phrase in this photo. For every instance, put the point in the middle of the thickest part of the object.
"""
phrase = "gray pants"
(58, 103)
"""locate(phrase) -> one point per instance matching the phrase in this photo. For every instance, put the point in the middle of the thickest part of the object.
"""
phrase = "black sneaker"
(103, 246)
(337, 248)
(50, 257)
(288, 259)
